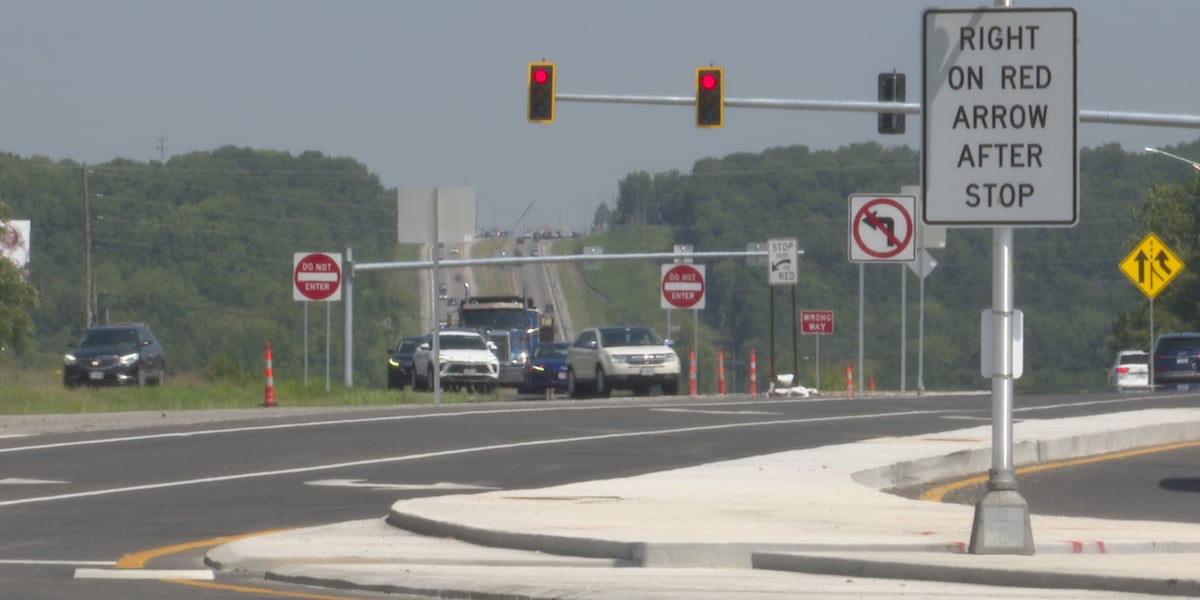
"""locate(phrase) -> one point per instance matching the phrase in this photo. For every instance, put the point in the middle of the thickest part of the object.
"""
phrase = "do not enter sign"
(683, 286)
(317, 276)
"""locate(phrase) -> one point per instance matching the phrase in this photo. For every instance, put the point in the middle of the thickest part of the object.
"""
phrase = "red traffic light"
(540, 76)
(708, 81)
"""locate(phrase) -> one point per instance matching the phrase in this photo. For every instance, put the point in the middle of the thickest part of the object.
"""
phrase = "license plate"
(469, 371)
(647, 370)
(562, 375)
(95, 375)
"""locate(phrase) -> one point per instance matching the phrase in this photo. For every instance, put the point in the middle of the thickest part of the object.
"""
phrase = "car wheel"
(602, 388)
(573, 389)
(416, 383)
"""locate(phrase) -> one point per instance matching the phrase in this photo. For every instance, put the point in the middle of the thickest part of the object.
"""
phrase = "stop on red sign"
(317, 276)
(683, 286)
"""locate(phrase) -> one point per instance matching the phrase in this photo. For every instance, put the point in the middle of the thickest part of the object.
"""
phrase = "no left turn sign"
(882, 228)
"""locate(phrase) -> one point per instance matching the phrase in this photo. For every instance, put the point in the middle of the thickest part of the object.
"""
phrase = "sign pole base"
(1001, 523)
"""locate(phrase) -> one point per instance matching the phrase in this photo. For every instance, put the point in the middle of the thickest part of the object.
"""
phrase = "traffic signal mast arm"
(910, 108)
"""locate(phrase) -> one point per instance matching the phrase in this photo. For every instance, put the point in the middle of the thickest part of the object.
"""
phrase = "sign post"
(781, 270)
(999, 149)
(683, 287)
(1150, 267)
(817, 323)
(317, 277)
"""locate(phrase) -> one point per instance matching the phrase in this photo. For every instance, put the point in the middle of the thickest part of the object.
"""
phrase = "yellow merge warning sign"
(1151, 266)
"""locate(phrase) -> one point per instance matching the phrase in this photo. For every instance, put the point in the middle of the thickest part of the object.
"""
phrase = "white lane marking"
(307, 424)
(445, 453)
(189, 574)
(69, 563)
(19, 481)
(359, 483)
(715, 412)
(14, 435)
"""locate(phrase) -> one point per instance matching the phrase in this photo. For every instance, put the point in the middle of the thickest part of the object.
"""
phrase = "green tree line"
(1079, 308)
(200, 246)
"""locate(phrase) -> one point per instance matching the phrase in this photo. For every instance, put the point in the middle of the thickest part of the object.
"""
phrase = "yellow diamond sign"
(1151, 266)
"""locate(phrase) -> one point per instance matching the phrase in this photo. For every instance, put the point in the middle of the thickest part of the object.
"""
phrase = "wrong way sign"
(882, 228)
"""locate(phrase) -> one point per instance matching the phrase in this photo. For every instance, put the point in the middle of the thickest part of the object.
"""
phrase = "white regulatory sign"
(1000, 117)
(882, 228)
(781, 263)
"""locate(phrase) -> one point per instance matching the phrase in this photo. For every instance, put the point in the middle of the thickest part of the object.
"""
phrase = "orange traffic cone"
(721, 372)
(849, 381)
(269, 397)
(753, 374)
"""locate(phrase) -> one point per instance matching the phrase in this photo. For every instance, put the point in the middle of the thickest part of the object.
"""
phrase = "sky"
(433, 93)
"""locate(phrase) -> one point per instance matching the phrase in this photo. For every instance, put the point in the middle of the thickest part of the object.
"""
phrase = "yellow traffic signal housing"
(710, 97)
(541, 92)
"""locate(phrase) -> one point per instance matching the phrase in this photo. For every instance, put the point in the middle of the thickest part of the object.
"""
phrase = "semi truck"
(514, 324)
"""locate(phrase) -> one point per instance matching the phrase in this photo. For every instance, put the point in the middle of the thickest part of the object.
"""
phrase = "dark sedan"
(399, 369)
(547, 368)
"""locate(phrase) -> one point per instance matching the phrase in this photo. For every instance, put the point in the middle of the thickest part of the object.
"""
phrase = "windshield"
(109, 337)
(461, 342)
(493, 319)
(551, 351)
(628, 336)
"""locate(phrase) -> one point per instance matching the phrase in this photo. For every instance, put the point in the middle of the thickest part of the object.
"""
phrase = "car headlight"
(392, 363)
(620, 358)
(69, 359)
(128, 360)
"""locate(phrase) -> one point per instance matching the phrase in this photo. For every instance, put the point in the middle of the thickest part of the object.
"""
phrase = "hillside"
(201, 245)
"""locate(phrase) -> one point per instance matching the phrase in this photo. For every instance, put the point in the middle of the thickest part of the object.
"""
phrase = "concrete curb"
(921, 567)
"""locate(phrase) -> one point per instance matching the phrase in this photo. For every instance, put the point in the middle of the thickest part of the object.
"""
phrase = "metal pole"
(433, 303)
(1151, 352)
(348, 319)
(921, 331)
(328, 312)
(1002, 524)
(771, 367)
(696, 337)
(305, 343)
(903, 326)
(795, 351)
(861, 309)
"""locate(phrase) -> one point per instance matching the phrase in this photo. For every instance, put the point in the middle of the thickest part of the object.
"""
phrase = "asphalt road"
(74, 503)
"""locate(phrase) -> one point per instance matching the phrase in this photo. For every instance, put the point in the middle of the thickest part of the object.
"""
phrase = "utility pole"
(88, 315)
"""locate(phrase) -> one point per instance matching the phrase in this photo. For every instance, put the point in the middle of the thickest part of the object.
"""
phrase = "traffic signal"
(710, 97)
(891, 89)
(541, 92)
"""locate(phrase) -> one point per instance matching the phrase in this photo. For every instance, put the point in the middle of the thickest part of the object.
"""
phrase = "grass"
(30, 392)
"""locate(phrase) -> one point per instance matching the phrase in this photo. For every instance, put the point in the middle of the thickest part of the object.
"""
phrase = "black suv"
(116, 354)
(1177, 358)
(399, 370)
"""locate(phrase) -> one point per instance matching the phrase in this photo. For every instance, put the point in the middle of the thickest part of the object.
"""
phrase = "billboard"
(456, 214)
(14, 244)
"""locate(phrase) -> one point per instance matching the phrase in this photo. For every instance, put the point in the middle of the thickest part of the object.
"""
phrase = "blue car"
(547, 369)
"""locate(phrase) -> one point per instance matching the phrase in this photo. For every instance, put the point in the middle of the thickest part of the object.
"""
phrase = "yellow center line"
(936, 494)
(140, 559)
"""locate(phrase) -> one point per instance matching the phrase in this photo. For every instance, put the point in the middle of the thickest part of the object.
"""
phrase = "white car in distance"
(466, 361)
(635, 358)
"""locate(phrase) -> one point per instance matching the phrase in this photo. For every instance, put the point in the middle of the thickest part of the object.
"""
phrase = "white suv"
(465, 361)
(621, 357)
